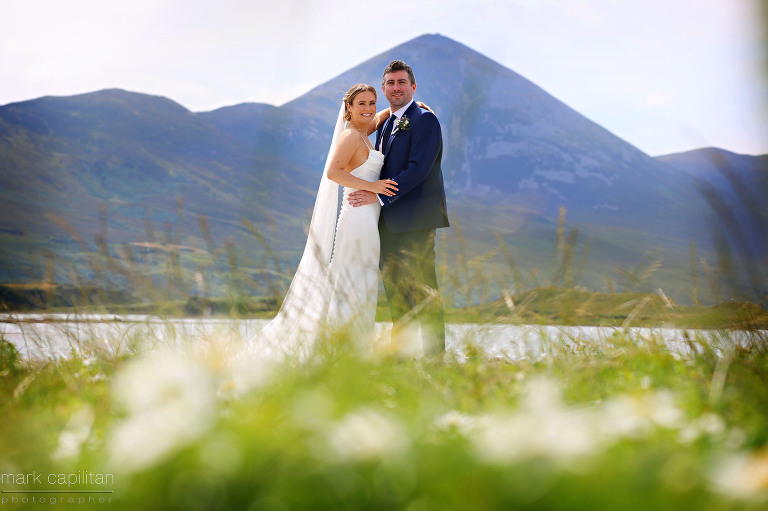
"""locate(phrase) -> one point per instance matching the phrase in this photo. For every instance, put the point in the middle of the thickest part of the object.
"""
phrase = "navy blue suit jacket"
(412, 159)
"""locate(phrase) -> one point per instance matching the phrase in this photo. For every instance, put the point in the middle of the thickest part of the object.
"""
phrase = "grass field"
(619, 424)
(623, 422)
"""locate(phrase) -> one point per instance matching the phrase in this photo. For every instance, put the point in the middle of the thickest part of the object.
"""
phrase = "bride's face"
(363, 108)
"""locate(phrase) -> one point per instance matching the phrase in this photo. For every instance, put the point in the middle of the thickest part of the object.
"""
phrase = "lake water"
(51, 336)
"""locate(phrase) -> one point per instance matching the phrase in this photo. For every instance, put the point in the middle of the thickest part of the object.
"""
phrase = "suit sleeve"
(426, 141)
(379, 132)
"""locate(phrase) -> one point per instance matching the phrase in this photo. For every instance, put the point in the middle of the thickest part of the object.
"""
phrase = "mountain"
(505, 135)
(143, 177)
(735, 187)
(739, 178)
(121, 168)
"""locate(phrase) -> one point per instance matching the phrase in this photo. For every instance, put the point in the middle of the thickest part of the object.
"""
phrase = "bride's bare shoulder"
(347, 136)
(351, 136)
(347, 142)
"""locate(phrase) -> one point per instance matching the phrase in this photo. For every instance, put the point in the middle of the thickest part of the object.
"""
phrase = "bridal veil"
(302, 315)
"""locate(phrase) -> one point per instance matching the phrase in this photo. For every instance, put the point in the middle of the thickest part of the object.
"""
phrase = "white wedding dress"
(354, 268)
(335, 286)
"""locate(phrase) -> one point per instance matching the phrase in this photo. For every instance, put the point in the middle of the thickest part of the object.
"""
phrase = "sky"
(665, 75)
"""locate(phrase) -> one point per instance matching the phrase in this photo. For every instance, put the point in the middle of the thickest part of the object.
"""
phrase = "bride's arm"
(382, 116)
(341, 159)
(377, 120)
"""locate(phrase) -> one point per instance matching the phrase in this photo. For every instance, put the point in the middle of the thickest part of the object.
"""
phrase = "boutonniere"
(403, 124)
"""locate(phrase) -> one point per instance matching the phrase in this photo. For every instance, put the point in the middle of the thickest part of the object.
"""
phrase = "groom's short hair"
(398, 65)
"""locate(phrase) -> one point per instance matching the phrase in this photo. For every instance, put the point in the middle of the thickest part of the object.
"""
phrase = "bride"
(335, 286)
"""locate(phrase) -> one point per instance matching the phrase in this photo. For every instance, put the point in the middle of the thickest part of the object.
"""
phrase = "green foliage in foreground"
(627, 424)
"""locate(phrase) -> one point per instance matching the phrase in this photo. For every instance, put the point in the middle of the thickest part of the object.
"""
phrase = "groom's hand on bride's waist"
(362, 198)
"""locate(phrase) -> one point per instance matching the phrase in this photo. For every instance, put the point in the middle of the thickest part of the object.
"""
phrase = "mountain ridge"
(514, 157)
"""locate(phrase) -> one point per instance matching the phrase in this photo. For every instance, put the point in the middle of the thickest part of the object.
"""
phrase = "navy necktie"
(387, 135)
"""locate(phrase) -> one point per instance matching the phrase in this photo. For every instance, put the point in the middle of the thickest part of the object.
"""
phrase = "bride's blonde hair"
(353, 91)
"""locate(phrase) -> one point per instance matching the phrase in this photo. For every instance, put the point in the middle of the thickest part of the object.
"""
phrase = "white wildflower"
(454, 421)
(542, 395)
(664, 410)
(559, 438)
(169, 400)
(500, 439)
(743, 475)
(367, 435)
(635, 417)
(712, 424)
(709, 424)
(735, 439)
(243, 374)
(621, 417)
(75, 434)
(543, 428)
(689, 434)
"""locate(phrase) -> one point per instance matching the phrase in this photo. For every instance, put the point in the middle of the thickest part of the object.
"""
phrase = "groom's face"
(398, 89)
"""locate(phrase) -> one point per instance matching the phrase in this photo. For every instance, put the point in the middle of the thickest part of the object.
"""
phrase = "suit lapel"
(390, 141)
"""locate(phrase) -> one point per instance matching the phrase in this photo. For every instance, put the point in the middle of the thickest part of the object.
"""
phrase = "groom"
(412, 143)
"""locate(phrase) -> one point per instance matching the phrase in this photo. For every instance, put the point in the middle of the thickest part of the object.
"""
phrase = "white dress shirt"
(399, 113)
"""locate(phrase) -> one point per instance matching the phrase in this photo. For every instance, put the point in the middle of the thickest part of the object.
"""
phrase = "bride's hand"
(424, 106)
(383, 187)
